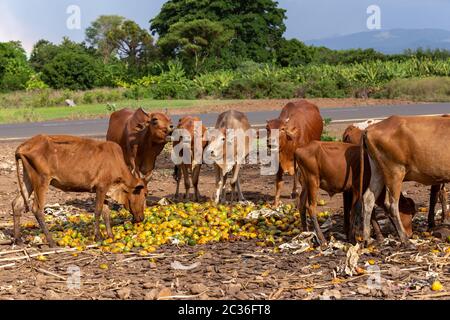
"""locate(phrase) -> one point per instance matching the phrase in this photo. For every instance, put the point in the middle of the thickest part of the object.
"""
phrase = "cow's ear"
(119, 194)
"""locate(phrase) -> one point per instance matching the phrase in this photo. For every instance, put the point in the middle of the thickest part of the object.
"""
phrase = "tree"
(133, 44)
(98, 35)
(196, 41)
(72, 70)
(258, 24)
(14, 68)
(293, 53)
(43, 52)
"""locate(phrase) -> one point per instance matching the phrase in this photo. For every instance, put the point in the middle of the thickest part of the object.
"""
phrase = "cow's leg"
(279, 187)
(301, 205)
(101, 195)
(376, 227)
(236, 183)
(434, 194)
(312, 191)
(106, 213)
(348, 200)
(19, 207)
(219, 184)
(372, 193)
(177, 176)
(187, 180)
(38, 210)
(195, 180)
(239, 190)
(394, 186)
(443, 199)
(294, 193)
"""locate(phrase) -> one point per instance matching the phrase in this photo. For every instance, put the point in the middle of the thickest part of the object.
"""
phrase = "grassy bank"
(85, 111)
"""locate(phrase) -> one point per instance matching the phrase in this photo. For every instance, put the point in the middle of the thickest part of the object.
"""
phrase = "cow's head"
(132, 198)
(352, 135)
(219, 142)
(286, 134)
(407, 208)
(161, 127)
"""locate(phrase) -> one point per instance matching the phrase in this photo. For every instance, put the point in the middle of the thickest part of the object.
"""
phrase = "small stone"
(152, 294)
(164, 293)
(363, 290)
(148, 285)
(233, 289)
(52, 295)
(124, 293)
(198, 288)
(203, 297)
(242, 296)
(395, 272)
(330, 294)
(41, 280)
(332, 265)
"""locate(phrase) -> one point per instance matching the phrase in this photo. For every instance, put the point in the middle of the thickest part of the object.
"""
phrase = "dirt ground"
(233, 270)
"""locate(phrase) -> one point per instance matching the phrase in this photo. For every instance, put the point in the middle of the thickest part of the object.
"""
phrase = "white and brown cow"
(404, 149)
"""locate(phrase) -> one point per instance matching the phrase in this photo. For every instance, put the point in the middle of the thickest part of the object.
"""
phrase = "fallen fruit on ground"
(177, 224)
(437, 286)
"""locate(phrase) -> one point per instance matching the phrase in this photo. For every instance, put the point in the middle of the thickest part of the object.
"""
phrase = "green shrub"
(427, 89)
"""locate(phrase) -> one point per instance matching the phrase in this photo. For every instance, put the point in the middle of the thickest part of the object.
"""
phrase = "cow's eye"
(155, 122)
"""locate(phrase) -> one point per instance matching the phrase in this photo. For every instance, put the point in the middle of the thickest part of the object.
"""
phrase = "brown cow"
(354, 133)
(74, 164)
(192, 169)
(404, 149)
(142, 137)
(335, 168)
(299, 123)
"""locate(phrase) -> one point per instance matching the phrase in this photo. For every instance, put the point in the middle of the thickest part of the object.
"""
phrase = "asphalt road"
(99, 127)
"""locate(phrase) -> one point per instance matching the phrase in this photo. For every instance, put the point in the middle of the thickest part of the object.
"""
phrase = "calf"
(142, 137)
(228, 149)
(190, 170)
(404, 149)
(74, 164)
(298, 124)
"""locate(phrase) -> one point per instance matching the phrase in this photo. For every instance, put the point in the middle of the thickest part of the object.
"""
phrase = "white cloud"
(11, 29)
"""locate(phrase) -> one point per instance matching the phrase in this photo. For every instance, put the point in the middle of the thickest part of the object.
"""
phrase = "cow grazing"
(228, 148)
(74, 164)
(404, 149)
(142, 137)
(354, 133)
(299, 123)
(190, 171)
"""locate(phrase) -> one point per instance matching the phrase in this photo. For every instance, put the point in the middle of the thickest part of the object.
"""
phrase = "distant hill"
(388, 41)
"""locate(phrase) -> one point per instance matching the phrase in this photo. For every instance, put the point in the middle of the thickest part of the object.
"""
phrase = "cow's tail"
(20, 180)
(361, 167)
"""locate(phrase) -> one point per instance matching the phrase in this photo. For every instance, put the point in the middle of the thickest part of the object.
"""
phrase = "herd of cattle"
(368, 167)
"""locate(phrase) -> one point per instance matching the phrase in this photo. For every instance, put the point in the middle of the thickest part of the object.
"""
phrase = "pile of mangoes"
(177, 224)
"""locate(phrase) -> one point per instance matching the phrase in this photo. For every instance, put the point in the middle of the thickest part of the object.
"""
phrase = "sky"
(31, 20)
